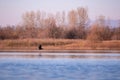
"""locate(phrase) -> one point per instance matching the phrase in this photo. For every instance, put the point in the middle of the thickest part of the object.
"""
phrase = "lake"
(59, 66)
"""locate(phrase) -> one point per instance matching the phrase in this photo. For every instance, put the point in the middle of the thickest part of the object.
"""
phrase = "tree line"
(72, 25)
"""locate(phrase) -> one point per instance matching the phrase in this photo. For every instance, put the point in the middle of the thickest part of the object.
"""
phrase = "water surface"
(60, 66)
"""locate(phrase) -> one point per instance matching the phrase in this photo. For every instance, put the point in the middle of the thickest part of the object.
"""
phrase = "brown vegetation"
(74, 25)
(58, 44)
(38, 27)
(42, 25)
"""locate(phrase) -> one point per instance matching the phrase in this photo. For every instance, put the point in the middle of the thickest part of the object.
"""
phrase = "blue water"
(59, 69)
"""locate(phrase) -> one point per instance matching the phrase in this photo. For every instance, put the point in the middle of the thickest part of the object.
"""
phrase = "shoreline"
(62, 51)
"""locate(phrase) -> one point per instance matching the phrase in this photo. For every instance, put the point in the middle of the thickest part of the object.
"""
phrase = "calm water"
(65, 67)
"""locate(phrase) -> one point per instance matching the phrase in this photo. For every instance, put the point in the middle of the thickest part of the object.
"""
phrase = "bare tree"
(94, 34)
(8, 32)
(72, 18)
(104, 28)
(60, 19)
(99, 30)
(82, 22)
(50, 23)
(82, 16)
(29, 19)
(116, 32)
(29, 24)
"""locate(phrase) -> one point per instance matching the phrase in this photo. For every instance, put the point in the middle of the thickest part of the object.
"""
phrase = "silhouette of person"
(40, 47)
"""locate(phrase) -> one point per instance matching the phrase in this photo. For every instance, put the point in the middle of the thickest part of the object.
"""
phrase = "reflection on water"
(61, 55)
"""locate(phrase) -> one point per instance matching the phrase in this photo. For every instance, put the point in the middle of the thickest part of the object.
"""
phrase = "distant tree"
(94, 34)
(38, 21)
(29, 19)
(60, 19)
(104, 28)
(52, 30)
(8, 32)
(61, 24)
(29, 24)
(72, 18)
(116, 32)
(99, 30)
(2, 35)
(82, 16)
(82, 22)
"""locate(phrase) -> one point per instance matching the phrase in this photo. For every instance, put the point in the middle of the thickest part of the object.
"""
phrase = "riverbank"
(57, 44)
(61, 51)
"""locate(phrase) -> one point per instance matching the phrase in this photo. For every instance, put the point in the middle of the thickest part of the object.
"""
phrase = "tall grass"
(34, 42)
(58, 44)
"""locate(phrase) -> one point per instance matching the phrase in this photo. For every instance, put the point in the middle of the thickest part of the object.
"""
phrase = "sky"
(11, 10)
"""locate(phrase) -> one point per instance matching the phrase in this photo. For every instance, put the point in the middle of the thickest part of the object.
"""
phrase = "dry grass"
(57, 44)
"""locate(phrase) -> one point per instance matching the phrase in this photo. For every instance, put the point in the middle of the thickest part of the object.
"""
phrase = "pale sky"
(12, 10)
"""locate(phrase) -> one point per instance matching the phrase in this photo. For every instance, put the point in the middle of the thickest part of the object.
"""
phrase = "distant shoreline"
(63, 51)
